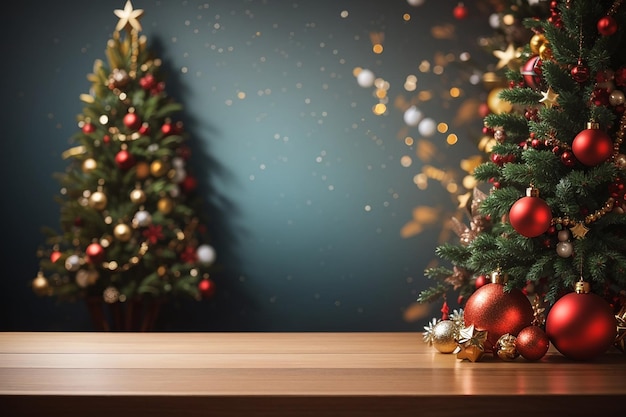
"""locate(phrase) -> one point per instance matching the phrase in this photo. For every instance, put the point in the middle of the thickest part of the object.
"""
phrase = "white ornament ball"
(72, 263)
(412, 116)
(365, 78)
(563, 235)
(178, 162)
(564, 249)
(82, 278)
(495, 20)
(415, 2)
(142, 219)
(206, 254)
(427, 127)
(179, 175)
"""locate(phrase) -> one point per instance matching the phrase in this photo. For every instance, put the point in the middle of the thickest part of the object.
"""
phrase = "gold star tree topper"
(129, 18)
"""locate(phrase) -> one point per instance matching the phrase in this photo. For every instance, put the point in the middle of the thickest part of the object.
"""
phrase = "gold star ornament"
(471, 343)
(506, 56)
(549, 98)
(129, 18)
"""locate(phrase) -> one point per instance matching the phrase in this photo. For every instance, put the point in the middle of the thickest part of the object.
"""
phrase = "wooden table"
(304, 374)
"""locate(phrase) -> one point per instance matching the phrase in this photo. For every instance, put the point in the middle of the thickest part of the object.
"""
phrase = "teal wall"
(303, 181)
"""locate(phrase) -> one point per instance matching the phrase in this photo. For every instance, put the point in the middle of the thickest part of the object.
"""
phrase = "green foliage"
(156, 257)
(587, 202)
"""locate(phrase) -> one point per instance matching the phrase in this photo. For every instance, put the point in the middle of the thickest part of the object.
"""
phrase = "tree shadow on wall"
(231, 307)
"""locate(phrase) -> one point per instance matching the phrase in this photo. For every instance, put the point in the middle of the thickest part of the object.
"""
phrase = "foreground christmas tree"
(551, 224)
(130, 226)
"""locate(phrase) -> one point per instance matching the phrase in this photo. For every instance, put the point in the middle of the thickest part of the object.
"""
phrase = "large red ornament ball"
(94, 252)
(498, 312)
(607, 26)
(532, 343)
(531, 71)
(592, 146)
(132, 121)
(581, 326)
(124, 159)
(530, 216)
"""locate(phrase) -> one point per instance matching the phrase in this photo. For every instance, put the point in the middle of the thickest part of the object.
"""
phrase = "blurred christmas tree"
(131, 229)
(553, 215)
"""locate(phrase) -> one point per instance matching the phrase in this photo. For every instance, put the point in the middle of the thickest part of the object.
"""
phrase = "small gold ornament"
(111, 295)
(444, 336)
(545, 52)
(89, 165)
(158, 168)
(496, 104)
(138, 196)
(471, 343)
(165, 205)
(123, 232)
(535, 43)
(98, 200)
(505, 347)
(40, 284)
(620, 161)
(142, 170)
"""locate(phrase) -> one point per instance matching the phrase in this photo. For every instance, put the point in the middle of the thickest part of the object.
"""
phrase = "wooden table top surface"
(331, 366)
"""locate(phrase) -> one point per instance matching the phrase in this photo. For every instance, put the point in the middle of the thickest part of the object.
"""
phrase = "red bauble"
(132, 121)
(94, 252)
(189, 184)
(167, 129)
(498, 312)
(530, 216)
(54, 256)
(580, 73)
(89, 128)
(607, 26)
(592, 146)
(206, 288)
(481, 280)
(532, 343)
(531, 71)
(581, 326)
(124, 159)
(460, 11)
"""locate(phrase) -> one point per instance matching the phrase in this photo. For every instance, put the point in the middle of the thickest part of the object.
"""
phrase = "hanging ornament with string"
(592, 146)
(580, 71)
(581, 325)
(530, 216)
(607, 25)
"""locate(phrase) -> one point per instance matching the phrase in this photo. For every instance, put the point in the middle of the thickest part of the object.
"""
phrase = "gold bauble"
(545, 52)
(620, 161)
(137, 196)
(165, 205)
(89, 165)
(98, 200)
(40, 285)
(535, 43)
(158, 168)
(142, 170)
(496, 104)
(445, 336)
(123, 232)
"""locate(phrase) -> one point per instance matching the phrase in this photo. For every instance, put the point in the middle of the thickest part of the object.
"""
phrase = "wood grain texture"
(273, 374)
